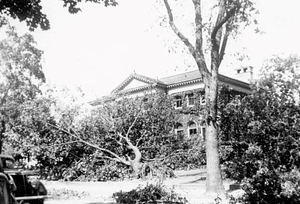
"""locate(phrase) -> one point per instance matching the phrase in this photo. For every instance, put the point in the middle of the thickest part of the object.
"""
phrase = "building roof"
(172, 81)
(147, 80)
(177, 80)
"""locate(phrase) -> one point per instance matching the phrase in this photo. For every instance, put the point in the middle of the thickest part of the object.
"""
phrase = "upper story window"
(191, 99)
(178, 101)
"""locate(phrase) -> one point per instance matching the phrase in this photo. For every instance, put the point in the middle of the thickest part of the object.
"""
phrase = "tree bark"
(136, 162)
(210, 78)
(214, 184)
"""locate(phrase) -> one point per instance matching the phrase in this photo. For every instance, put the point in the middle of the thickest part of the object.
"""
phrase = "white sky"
(99, 47)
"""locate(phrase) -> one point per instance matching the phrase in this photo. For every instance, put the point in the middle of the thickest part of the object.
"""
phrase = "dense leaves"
(20, 77)
(149, 194)
(264, 129)
(131, 131)
(31, 12)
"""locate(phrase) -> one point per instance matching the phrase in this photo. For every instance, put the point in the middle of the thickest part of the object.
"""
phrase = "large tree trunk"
(214, 182)
(135, 163)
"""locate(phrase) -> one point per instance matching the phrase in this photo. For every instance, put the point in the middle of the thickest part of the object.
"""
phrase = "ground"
(189, 184)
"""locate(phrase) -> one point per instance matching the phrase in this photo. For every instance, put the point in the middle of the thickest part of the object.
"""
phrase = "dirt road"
(189, 184)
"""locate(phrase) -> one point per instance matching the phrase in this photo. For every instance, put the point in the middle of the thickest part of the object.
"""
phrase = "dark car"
(25, 188)
(6, 196)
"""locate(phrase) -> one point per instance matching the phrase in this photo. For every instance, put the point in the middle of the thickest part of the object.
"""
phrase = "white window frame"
(192, 128)
(178, 102)
(179, 128)
(191, 97)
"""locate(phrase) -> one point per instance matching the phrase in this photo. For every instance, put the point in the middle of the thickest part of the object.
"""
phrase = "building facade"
(187, 89)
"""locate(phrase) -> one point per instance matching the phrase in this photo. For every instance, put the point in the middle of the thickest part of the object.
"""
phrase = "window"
(179, 129)
(192, 129)
(202, 99)
(191, 99)
(178, 102)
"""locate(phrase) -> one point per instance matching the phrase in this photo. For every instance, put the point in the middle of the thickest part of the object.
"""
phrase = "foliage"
(189, 154)
(64, 137)
(265, 136)
(31, 11)
(91, 170)
(65, 194)
(20, 77)
(151, 193)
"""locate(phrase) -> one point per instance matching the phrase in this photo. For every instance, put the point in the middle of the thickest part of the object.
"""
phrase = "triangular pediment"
(134, 84)
(134, 81)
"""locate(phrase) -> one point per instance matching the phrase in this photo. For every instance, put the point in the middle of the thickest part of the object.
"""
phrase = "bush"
(149, 194)
(65, 194)
(264, 130)
(106, 171)
(190, 154)
(267, 187)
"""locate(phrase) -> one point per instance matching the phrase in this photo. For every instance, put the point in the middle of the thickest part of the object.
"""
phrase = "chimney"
(245, 74)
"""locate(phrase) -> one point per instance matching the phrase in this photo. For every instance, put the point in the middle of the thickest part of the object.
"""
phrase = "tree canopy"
(265, 135)
(31, 11)
(132, 131)
(21, 74)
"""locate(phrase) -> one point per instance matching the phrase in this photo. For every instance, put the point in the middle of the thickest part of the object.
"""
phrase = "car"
(23, 184)
(6, 196)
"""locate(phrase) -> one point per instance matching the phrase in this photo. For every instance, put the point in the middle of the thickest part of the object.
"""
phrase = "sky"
(100, 47)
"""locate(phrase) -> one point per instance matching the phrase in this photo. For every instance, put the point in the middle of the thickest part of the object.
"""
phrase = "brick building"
(187, 90)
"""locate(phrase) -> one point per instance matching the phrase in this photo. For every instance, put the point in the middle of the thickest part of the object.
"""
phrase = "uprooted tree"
(228, 16)
(131, 131)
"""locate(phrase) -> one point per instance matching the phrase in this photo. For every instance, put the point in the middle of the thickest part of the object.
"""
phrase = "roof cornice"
(138, 77)
(184, 83)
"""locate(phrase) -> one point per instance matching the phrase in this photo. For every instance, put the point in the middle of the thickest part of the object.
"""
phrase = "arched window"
(179, 129)
(192, 127)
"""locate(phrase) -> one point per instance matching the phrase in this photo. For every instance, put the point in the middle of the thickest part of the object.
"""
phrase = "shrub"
(152, 193)
(65, 194)
(264, 130)
(190, 154)
(267, 187)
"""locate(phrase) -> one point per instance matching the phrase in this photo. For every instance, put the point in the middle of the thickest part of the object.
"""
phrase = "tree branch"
(133, 123)
(5, 94)
(184, 39)
(90, 144)
(224, 44)
(216, 35)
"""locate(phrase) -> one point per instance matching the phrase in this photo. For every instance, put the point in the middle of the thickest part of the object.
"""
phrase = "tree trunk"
(214, 184)
(136, 162)
(136, 167)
